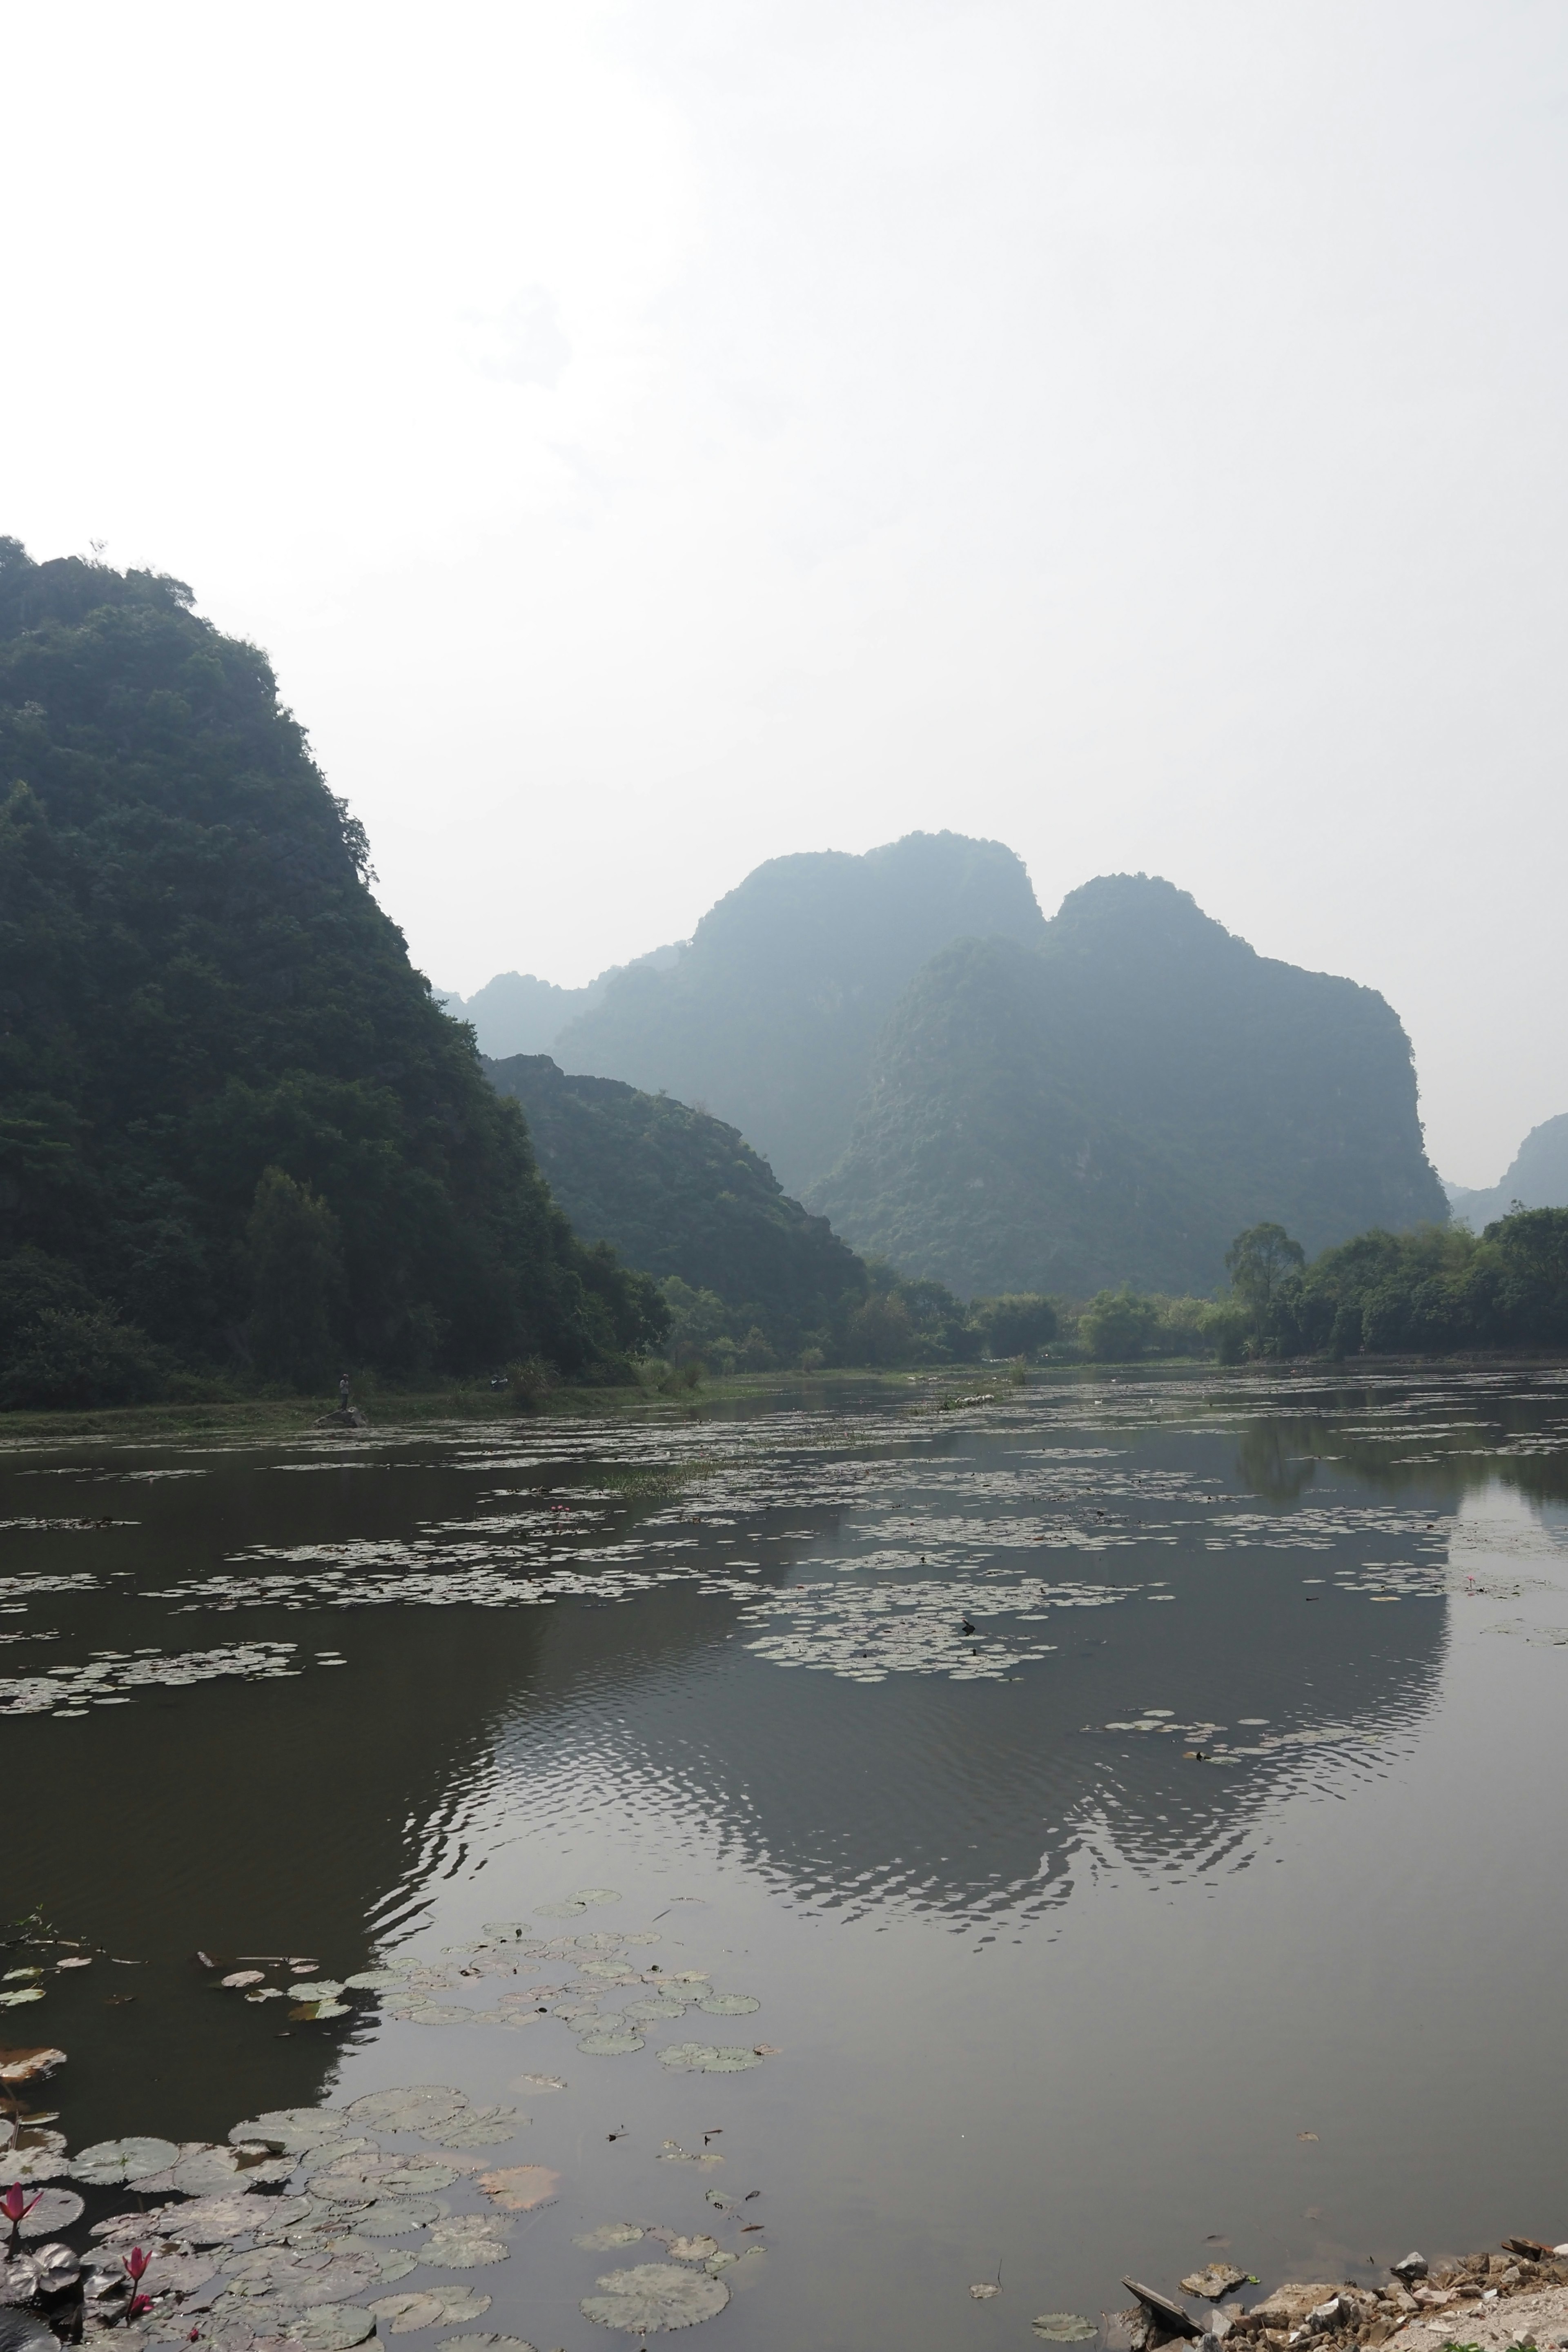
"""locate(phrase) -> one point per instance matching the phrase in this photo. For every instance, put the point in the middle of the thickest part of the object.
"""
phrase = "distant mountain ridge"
(769, 1016)
(516, 1013)
(1537, 1178)
(1117, 1104)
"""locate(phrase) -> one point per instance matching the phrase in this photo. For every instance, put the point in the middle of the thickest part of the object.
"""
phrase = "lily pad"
(374, 1980)
(651, 2295)
(389, 2217)
(654, 2010)
(57, 2209)
(480, 2128)
(608, 2043)
(305, 2011)
(327, 2327)
(729, 2004)
(521, 2186)
(610, 2234)
(692, 2249)
(30, 2164)
(110, 2163)
(20, 1996)
(292, 2129)
(317, 1988)
(24, 2331)
(708, 2057)
(1062, 2327)
(483, 2344)
(400, 2315)
(303, 2276)
(240, 1977)
(594, 1895)
(418, 2107)
(539, 2083)
(462, 2243)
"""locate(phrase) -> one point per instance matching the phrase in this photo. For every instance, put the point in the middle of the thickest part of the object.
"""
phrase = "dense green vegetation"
(747, 1271)
(768, 1016)
(1110, 1107)
(236, 1132)
(1435, 1291)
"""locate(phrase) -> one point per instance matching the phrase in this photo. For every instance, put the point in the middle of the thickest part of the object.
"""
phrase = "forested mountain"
(1115, 1103)
(1537, 1178)
(768, 1016)
(234, 1124)
(681, 1194)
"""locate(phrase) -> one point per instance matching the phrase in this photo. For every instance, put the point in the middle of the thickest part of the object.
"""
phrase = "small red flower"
(136, 2262)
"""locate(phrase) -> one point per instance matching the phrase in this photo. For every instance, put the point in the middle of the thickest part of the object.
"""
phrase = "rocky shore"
(1517, 2296)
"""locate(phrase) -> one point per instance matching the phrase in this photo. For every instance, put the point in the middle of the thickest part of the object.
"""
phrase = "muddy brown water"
(1047, 1997)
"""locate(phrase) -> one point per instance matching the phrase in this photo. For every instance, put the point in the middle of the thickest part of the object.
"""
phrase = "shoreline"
(1517, 2295)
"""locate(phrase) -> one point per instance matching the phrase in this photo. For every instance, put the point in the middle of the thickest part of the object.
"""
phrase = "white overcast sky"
(656, 435)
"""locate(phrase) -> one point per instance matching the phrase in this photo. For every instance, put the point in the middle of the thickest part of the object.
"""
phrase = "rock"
(344, 1417)
(1533, 2249)
(1335, 2311)
(1289, 2305)
(1216, 2280)
(1413, 2266)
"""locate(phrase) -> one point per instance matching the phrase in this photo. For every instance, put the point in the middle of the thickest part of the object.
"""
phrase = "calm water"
(1045, 1997)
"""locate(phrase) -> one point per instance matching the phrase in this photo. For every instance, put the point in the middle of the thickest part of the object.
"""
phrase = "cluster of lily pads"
(864, 1632)
(110, 1676)
(303, 2232)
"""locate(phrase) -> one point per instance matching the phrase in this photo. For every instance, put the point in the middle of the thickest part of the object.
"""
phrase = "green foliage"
(296, 1281)
(769, 1016)
(680, 1195)
(60, 1346)
(1013, 1325)
(1118, 1324)
(197, 988)
(1259, 1262)
(1113, 1104)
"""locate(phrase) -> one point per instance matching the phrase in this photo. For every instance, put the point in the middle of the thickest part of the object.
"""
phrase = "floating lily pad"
(293, 2129)
(374, 1980)
(57, 2209)
(729, 2004)
(484, 2344)
(651, 2295)
(109, 2163)
(521, 2186)
(327, 2327)
(559, 1910)
(317, 1988)
(24, 2331)
(594, 1894)
(539, 2083)
(389, 2217)
(462, 2243)
(610, 2234)
(707, 2058)
(303, 2276)
(305, 2011)
(658, 2007)
(480, 2128)
(30, 2164)
(20, 1996)
(1063, 2327)
(418, 2107)
(608, 2043)
(241, 1978)
(692, 2249)
(400, 2315)
(435, 2012)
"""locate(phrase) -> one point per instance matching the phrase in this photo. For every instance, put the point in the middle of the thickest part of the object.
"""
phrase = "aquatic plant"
(16, 2205)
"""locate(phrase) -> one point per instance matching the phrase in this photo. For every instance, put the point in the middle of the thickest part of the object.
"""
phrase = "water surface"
(1135, 1805)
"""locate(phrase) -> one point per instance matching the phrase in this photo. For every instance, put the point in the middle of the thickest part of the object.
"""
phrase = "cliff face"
(769, 1017)
(1116, 1104)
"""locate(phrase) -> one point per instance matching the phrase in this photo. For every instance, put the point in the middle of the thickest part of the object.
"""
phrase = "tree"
(1015, 1325)
(297, 1273)
(1118, 1324)
(1259, 1262)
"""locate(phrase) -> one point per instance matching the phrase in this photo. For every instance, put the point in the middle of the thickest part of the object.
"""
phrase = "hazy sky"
(649, 438)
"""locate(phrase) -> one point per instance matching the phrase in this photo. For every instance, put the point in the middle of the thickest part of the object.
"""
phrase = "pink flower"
(135, 2263)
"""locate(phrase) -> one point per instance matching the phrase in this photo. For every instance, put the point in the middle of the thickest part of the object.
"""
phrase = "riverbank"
(1517, 2296)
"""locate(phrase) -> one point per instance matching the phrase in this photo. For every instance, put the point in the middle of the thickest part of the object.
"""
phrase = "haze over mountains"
(1537, 1178)
(1006, 1104)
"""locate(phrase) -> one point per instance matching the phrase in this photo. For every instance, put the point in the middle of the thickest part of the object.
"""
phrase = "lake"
(1134, 1805)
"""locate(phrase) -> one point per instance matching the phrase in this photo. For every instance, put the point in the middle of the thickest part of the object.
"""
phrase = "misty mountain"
(233, 1122)
(516, 1013)
(769, 1016)
(1537, 1178)
(680, 1193)
(1115, 1101)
